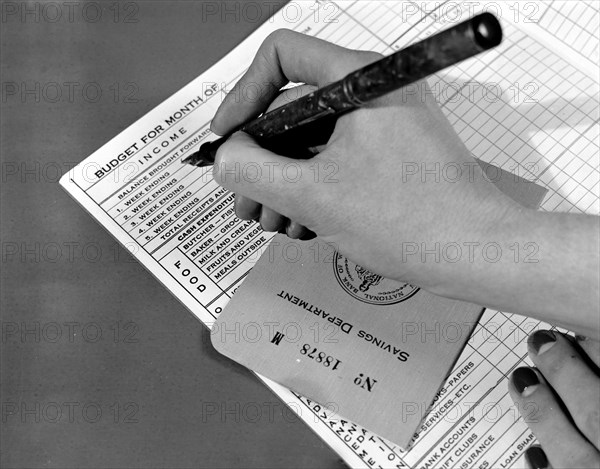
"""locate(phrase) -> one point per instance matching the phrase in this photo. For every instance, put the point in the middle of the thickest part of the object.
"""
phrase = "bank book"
(529, 106)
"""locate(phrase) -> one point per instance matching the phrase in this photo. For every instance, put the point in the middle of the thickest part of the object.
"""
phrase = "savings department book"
(530, 106)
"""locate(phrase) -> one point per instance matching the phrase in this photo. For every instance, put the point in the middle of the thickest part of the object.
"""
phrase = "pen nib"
(206, 155)
(197, 159)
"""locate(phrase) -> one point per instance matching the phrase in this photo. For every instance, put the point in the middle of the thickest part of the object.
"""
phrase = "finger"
(569, 375)
(285, 56)
(591, 347)
(270, 220)
(280, 183)
(295, 230)
(562, 443)
(536, 458)
(246, 209)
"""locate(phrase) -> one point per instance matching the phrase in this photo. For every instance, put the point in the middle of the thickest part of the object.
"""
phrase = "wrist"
(483, 251)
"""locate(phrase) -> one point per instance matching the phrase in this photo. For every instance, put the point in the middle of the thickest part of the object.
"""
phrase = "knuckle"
(267, 56)
(268, 49)
(278, 36)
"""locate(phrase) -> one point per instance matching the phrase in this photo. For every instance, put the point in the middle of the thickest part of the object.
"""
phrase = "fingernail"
(525, 379)
(542, 341)
(536, 458)
(580, 338)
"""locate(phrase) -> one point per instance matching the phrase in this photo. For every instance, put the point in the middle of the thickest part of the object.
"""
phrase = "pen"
(308, 121)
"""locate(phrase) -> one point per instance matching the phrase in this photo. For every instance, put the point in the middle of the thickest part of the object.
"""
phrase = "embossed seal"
(368, 287)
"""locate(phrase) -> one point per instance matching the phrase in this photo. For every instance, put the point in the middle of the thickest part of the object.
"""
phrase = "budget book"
(530, 107)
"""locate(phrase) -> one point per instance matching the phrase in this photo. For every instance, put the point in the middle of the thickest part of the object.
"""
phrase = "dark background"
(100, 365)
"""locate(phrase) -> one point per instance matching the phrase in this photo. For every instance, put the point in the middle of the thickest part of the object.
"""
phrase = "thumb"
(282, 184)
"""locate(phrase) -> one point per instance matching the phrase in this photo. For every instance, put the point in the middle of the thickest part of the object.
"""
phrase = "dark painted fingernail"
(541, 341)
(536, 458)
(523, 378)
(580, 338)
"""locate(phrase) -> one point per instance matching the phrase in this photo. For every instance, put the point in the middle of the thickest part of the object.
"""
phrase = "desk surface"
(101, 366)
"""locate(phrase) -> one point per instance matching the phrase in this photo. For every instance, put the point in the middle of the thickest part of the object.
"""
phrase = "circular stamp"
(368, 287)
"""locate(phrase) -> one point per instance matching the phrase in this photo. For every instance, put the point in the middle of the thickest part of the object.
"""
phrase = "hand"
(562, 400)
(372, 205)
(270, 220)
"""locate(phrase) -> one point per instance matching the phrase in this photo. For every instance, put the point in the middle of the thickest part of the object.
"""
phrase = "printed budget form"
(530, 107)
